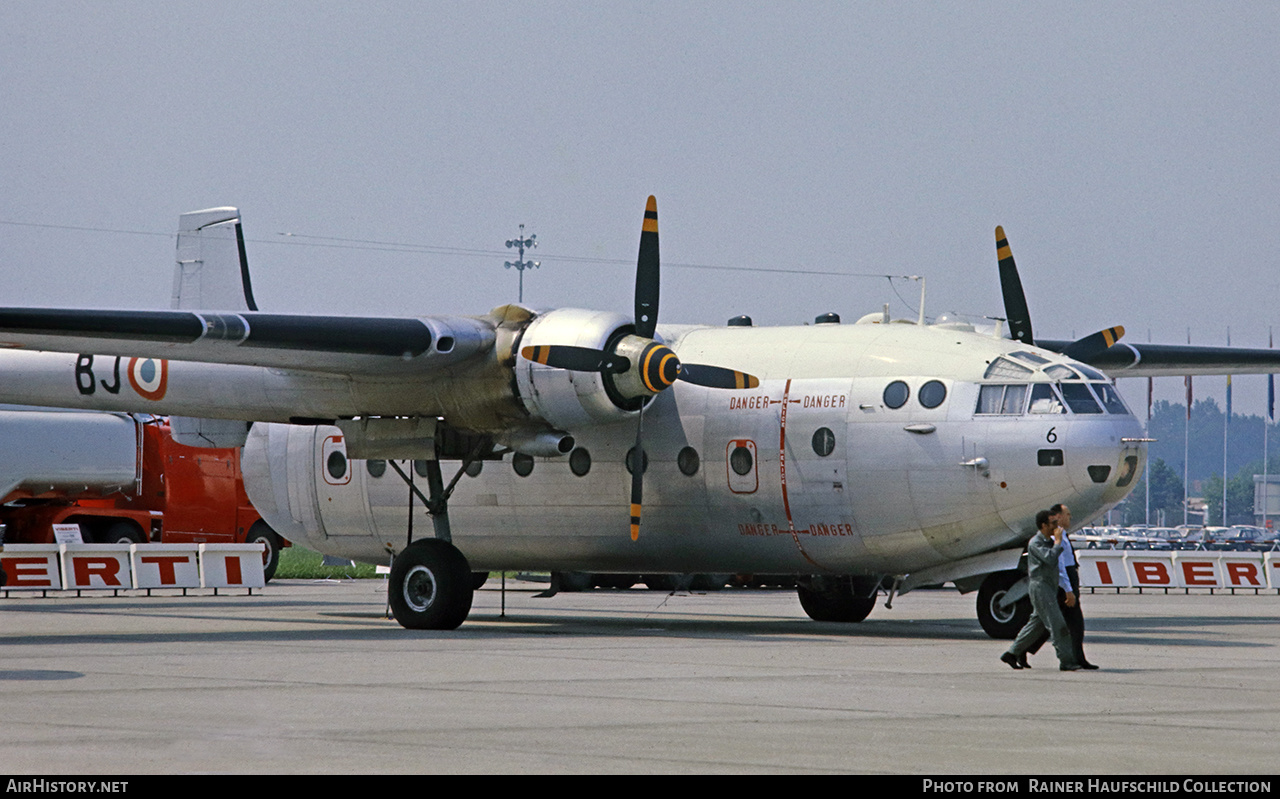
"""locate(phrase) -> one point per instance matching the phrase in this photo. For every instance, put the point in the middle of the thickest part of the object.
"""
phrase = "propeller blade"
(647, 273)
(1015, 301)
(577, 359)
(1085, 348)
(716, 376)
(637, 478)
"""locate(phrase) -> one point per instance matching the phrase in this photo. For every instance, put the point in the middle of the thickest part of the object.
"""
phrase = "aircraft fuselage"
(866, 449)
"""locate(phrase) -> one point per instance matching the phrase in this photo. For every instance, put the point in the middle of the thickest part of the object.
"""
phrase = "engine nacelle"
(567, 400)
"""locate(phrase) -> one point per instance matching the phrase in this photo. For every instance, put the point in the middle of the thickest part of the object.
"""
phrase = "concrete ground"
(311, 678)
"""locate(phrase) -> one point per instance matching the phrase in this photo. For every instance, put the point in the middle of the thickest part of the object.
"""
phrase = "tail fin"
(212, 272)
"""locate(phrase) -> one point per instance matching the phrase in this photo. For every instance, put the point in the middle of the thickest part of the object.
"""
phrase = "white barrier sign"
(50, 567)
(1109, 568)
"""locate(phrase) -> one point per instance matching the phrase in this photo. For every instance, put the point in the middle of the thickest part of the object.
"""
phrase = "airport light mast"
(521, 264)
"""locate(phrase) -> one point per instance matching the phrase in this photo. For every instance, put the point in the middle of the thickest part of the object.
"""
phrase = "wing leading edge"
(342, 344)
(1123, 359)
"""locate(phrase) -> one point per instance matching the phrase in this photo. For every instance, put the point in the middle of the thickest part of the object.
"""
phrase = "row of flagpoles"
(1226, 423)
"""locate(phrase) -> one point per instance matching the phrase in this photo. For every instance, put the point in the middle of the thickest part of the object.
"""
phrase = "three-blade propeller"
(651, 367)
(1019, 316)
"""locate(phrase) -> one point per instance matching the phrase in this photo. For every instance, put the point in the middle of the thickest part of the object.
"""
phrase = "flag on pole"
(1187, 381)
(1228, 400)
(1150, 389)
(1271, 388)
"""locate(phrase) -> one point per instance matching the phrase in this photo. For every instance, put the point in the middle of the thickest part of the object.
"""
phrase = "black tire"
(571, 582)
(709, 582)
(122, 532)
(430, 586)
(1002, 623)
(262, 532)
(839, 599)
(478, 579)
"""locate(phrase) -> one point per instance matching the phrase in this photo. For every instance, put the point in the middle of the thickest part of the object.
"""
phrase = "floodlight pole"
(521, 264)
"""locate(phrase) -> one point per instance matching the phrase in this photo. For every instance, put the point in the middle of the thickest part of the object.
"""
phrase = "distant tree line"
(1244, 460)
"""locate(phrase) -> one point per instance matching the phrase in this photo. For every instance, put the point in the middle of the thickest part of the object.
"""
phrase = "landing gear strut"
(431, 586)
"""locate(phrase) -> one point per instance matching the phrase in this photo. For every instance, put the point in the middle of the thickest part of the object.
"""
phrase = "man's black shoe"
(1070, 667)
(1087, 665)
(1022, 661)
(1011, 659)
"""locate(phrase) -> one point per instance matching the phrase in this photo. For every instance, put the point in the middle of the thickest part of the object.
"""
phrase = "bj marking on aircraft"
(881, 455)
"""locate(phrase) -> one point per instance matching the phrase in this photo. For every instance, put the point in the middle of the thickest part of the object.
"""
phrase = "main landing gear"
(1003, 604)
(843, 599)
(430, 586)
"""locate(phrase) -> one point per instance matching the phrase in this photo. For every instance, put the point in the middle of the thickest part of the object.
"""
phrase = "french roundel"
(149, 377)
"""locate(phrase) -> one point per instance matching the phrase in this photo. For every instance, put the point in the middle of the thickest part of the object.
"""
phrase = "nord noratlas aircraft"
(876, 456)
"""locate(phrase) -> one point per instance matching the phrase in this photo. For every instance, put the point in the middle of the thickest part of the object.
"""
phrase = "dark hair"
(1056, 509)
(1042, 518)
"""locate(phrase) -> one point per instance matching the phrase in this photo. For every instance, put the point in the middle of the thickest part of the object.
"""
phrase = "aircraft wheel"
(262, 533)
(478, 579)
(1000, 622)
(839, 599)
(430, 586)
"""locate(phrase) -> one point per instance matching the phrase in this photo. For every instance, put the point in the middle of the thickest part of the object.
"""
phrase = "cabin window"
(687, 460)
(932, 394)
(896, 394)
(337, 465)
(740, 460)
(580, 462)
(522, 463)
(1079, 398)
(1003, 400)
(376, 468)
(1050, 457)
(824, 441)
(1060, 372)
(1044, 399)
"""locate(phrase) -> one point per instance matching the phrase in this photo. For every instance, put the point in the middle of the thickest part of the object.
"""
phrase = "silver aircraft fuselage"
(866, 449)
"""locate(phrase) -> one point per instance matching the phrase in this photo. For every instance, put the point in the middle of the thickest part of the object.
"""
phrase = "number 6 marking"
(1051, 437)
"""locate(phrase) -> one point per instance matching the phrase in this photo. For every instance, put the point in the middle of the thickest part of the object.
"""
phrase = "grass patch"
(297, 563)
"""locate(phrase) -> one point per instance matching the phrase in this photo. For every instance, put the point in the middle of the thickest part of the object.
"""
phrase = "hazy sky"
(1129, 150)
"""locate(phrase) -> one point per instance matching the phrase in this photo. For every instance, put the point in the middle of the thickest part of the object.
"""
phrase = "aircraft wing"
(1123, 359)
(337, 344)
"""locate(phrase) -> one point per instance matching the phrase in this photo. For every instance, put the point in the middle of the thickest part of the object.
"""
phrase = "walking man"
(1042, 561)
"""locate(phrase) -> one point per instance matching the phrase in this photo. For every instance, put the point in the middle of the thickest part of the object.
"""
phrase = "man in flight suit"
(1042, 561)
(1068, 592)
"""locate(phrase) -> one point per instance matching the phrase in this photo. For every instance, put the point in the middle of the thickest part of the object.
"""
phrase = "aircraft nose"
(1105, 459)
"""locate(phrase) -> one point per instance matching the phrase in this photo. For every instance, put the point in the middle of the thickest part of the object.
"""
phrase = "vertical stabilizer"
(212, 272)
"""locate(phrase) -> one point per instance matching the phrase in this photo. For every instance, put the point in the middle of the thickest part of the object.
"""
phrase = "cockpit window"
(1029, 357)
(1044, 399)
(1090, 372)
(1003, 400)
(1110, 398)
(1004, 369)
(1060, 372)
(1079, 398)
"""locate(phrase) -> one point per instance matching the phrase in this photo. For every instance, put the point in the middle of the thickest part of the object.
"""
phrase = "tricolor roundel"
(149, 377)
